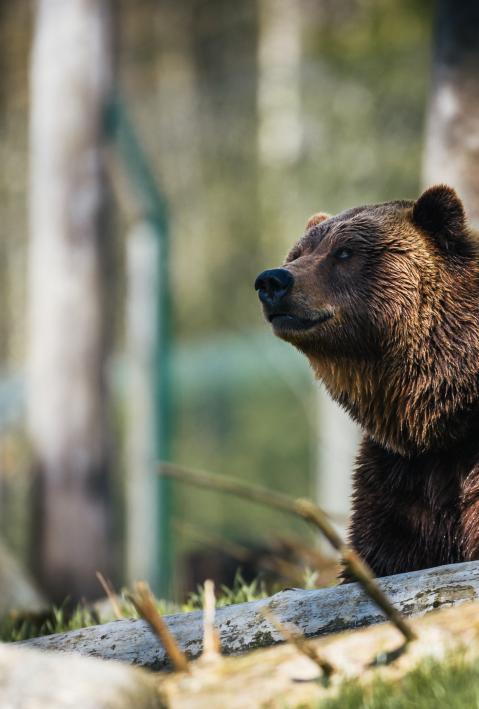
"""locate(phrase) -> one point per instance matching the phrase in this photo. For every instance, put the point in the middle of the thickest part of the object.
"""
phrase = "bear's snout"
(272, 286)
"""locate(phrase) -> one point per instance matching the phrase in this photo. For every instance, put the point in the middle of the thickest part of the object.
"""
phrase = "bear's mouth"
(288, 321)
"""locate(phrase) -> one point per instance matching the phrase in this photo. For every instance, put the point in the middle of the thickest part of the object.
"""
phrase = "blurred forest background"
(243, 119)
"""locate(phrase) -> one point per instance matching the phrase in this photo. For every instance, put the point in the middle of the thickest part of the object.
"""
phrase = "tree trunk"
(452, 140)
(70, 82)
(242, 627)
(280, 129)
(280, 123)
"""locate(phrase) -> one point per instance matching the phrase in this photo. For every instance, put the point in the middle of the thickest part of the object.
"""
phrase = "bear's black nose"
(273, 285)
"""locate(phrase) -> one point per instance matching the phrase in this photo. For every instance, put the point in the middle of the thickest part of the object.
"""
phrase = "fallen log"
(283, 676)
(242, 627)
(43, 680)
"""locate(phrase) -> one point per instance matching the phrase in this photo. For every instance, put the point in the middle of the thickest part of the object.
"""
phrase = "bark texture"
(242, 627)
(283, 676)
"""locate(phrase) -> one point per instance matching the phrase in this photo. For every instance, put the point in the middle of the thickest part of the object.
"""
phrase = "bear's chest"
(416, 513)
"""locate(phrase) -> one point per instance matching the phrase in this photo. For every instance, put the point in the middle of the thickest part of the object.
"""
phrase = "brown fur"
(399, 283)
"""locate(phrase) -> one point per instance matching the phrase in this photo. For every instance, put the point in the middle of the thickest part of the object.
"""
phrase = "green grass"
(23, 626)
(240, 592)
(451, 684)
(59, 620)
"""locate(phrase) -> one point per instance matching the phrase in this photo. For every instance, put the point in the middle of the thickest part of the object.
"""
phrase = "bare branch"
(297, 639)
(308, 511)
(211, 641)
(144, 602)
(110, 594)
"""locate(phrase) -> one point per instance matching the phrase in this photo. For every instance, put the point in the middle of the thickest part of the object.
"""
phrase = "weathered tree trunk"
(242, 627)
(452, 139)
(70, 82)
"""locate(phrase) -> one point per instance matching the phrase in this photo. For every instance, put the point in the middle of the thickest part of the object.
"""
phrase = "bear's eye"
(343, 253)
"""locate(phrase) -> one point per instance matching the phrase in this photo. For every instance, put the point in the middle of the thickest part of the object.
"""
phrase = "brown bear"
(384, 302)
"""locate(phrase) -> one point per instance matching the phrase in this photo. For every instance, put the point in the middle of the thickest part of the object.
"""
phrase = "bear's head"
(384, 301)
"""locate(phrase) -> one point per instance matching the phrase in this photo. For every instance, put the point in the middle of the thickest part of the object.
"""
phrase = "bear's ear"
(317, 219)
(440, 212)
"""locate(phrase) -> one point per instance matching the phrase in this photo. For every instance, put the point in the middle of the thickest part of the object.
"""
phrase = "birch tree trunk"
(70, 82)
(452, 140)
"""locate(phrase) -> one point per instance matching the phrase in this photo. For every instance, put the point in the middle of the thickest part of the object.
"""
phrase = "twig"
(297, 639)
(211, 641)
(312, 514)
(110, 594)
(364, 576)
(144, 602)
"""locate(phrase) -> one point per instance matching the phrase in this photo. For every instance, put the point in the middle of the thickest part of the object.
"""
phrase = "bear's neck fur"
(422, 393)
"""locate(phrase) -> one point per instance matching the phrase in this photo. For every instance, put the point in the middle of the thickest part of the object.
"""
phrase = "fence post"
(154, 211)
